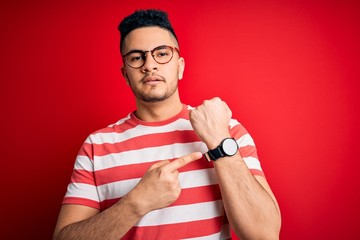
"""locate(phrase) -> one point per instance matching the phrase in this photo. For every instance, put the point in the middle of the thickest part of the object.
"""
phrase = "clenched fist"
(211, 120)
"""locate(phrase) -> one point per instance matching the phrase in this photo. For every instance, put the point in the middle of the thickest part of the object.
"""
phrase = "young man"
(147, 176)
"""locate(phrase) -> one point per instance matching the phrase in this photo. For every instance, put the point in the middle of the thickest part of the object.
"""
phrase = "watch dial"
(230, 146)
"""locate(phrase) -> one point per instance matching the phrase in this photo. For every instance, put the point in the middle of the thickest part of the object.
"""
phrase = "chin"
(152, 99)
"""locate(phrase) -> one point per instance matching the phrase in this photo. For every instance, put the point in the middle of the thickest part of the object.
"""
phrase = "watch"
(227, 148)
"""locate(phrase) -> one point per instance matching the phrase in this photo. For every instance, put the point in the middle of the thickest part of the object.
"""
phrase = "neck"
(158, 111)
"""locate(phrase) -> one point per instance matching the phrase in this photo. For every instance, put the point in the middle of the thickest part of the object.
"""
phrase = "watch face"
(230, 146)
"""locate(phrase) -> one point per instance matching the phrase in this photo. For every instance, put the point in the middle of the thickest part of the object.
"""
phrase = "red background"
(288, 69)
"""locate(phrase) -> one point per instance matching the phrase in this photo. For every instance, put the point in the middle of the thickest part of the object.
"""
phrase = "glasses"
(162, 55)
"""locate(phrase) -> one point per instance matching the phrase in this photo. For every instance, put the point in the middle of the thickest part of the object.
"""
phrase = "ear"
(124, 73)
(181, 68)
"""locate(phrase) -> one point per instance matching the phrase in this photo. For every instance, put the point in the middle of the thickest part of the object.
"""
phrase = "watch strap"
(216, 153)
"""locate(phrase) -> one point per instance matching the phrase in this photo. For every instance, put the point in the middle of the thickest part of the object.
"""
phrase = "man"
(145, 177)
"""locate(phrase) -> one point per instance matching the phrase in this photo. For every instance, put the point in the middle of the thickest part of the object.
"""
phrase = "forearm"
(249, 203)
(252, 211)
(112, 223)
(158, 188)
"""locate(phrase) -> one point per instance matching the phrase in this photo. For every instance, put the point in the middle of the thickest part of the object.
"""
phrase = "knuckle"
(182, 161)
(191, 113)
(164, 175)
(161, 171)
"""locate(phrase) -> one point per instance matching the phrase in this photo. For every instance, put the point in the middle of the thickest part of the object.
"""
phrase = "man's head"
(152, 61)
(144, 18)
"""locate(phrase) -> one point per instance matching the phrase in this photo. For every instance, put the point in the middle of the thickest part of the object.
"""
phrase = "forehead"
(147, 38)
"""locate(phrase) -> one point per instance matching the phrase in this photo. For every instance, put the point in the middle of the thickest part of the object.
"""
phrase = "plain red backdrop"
(288, 69)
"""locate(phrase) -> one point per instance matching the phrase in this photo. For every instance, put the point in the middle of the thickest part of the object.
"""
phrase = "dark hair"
(144, 18)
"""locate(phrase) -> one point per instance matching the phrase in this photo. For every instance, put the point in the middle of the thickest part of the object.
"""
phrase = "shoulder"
(118, 127)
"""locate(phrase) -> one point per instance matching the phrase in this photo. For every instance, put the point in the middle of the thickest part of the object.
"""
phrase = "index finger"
(183, 161)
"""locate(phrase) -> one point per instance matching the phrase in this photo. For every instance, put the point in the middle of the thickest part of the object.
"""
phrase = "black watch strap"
(215, 154)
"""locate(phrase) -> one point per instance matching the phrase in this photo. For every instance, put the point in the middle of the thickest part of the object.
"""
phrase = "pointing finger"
(183, 161)
(159, 164)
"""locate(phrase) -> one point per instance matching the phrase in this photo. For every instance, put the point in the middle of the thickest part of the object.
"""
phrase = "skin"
(153, 80)
(249, 203)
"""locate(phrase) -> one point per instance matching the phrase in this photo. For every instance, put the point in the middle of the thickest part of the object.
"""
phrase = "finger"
(183, 161)
(227, 109)
(216, 99)
(159, 164)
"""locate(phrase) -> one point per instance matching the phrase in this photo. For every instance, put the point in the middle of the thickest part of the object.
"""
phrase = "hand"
(160, 185)
(210, 121)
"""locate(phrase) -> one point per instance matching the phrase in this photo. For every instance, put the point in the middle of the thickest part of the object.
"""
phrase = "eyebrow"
(143, 51)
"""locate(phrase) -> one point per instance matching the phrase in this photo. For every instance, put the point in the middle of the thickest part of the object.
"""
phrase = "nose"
(150, 63)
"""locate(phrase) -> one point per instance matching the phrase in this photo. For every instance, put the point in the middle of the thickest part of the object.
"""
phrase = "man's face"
(152, 82)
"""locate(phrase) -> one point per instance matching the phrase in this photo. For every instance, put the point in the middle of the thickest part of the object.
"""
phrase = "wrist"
(215, 141)
(228, 147)
(135, 205)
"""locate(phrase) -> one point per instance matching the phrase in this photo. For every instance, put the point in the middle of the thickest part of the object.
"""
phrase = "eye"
(162, 53)
(135, 57)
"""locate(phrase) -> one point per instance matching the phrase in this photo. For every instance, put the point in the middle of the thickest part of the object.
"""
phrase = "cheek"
(130, 82)
(132, 77)
(127, 81)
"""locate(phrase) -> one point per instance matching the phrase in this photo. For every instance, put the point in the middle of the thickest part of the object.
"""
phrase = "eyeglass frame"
(151, 52)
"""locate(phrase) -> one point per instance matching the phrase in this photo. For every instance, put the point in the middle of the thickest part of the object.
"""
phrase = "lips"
(151, 79)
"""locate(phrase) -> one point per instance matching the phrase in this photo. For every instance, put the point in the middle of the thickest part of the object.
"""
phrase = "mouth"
(152, 79)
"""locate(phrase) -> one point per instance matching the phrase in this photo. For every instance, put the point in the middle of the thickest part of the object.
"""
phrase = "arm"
(158, 188)
(82, 222)
(249, 203)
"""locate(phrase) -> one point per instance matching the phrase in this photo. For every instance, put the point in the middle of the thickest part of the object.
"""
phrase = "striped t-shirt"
(112, 161)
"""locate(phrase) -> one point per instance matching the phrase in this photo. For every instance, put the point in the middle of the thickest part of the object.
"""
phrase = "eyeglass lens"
(161, 55)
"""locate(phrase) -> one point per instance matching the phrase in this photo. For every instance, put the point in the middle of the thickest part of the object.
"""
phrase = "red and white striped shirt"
(113, 160)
